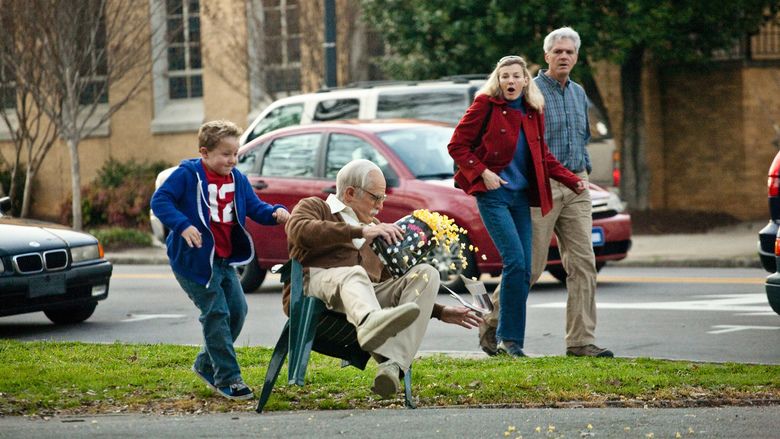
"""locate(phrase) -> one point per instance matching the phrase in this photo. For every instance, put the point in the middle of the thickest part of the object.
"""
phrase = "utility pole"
(330, 43)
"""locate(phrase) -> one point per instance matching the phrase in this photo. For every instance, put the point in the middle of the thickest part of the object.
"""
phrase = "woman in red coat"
(503, 160)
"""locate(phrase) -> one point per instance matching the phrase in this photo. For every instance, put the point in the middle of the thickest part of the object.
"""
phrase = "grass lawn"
(43, 378)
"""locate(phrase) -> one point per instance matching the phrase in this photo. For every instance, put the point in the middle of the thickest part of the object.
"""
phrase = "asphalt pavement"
(732, 246)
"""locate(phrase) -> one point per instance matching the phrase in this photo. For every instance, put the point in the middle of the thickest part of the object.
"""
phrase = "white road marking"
(734, 328)
(727, 302)
(142, 317)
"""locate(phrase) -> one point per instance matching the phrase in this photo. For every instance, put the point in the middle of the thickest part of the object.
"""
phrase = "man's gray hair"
(559, 34)
(355, 174)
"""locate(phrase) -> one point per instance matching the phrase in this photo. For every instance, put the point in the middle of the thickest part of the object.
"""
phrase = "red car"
(296, 162)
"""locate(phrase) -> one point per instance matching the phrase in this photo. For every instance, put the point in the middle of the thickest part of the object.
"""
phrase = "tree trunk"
(75, 183)
(28, 179)
(635, 175)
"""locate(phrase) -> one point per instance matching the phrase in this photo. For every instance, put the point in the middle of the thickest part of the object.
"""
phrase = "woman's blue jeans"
(222, 313)
(507, 218)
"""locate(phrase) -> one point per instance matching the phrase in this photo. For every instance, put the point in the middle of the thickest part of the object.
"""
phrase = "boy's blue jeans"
(222, 312)
(507, 218)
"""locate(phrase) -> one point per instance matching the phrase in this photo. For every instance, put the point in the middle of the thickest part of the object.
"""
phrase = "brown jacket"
(318, 238)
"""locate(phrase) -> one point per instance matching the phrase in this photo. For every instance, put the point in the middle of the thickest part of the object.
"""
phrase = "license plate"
(597, 236)
(47, 285)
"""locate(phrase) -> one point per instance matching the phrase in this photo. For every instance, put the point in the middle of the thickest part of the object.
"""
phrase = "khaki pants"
(572, 222)
(348, 290)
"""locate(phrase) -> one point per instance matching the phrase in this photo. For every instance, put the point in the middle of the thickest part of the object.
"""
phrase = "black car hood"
(22, 236)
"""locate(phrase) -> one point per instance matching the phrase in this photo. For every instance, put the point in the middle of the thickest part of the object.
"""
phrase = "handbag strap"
(485, 121)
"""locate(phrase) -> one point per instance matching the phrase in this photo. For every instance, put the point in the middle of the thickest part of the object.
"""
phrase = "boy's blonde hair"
(212, 132)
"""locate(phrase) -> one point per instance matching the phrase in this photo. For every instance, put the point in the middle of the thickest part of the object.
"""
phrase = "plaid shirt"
(566, 127)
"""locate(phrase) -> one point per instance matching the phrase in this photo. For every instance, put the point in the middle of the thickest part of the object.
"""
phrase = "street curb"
(741, 262)
(137, 260)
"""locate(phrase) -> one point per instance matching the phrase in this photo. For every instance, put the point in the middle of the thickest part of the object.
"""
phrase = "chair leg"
(408, 401)
(302, 339)
(274, 366)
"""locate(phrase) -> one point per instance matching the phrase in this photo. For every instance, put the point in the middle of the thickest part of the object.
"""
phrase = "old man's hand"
(460, 315)
(391, 233)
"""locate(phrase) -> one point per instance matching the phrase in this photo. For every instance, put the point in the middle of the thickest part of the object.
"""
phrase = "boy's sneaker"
(208, 379)
(238, 391)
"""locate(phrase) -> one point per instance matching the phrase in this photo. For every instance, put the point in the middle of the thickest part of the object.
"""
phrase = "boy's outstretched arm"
(260, 211)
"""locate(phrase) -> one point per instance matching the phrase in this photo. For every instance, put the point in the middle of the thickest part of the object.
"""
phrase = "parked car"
(444, 100)
(50, 268)
(296, 162)
(769, 239)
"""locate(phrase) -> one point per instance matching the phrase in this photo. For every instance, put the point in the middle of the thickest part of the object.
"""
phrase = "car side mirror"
(5, 205)
(391, 181)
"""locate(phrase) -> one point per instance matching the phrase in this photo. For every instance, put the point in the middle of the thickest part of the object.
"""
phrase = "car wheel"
(560, 274)
(450, 266)
(70, 315)
(251, 276)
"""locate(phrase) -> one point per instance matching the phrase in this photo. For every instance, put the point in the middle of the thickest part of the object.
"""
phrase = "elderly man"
(567, 133)
(332, 238)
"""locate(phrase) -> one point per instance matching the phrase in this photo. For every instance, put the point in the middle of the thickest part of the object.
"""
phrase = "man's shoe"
(208, 379)
(380, 325)
(487, 339)
(238, 391)
(387, 380)
(509, 347)
(589, 350)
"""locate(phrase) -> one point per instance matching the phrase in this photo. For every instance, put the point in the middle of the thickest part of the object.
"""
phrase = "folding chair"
(313, 327)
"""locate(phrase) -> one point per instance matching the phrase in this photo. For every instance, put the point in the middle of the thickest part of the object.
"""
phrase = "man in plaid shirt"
(567, 133)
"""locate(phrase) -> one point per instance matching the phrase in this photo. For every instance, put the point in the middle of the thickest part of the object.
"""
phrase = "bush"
(118, 197)
(115, 238)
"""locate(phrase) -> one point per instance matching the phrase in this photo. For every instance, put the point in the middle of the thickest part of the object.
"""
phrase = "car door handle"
(329, 190)
(259, 184)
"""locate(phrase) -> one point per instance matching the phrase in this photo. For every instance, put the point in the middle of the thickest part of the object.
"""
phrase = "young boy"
(205, 203)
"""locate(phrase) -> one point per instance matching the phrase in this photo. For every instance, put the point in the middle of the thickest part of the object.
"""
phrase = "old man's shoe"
(387, 381)
(382, 324)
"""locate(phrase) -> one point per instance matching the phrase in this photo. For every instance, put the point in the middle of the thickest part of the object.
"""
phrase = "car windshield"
(422, 149)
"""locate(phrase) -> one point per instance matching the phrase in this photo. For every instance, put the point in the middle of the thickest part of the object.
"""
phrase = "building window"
(185, 74)
(95, 68)
(176, 65)
(7, 87)
(282, 38)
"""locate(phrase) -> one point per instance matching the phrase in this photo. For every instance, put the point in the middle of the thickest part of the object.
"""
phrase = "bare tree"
(92, 56)
(32, 133)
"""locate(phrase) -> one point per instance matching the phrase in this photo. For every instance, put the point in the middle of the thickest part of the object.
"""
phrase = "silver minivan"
(437, 100)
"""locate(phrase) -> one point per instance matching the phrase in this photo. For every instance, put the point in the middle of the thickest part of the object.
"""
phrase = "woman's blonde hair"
(531, 93)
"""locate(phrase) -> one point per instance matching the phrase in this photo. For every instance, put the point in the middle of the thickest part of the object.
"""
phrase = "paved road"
(692, 314)
(727, 422)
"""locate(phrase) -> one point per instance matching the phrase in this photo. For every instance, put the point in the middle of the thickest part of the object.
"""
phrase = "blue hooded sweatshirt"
(182, 201)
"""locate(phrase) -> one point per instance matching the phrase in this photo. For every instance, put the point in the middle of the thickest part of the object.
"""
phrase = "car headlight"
(86, 253)
(615, 203)
(610, 203)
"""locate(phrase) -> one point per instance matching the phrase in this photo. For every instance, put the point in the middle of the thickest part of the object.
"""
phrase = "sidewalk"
(733, 246)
